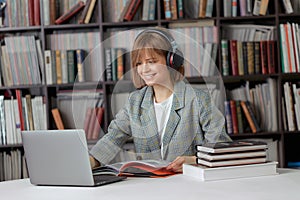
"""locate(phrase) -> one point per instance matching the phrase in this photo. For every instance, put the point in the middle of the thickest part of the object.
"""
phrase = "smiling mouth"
(148, 76)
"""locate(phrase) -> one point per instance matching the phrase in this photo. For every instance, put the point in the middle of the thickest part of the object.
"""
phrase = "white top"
(284, 186)
(162, 112)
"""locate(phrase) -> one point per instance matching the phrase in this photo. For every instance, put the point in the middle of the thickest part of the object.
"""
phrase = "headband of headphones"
(174, 56)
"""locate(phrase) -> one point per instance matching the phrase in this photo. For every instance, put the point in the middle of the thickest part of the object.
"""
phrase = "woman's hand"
(94, 163)
(176, 165)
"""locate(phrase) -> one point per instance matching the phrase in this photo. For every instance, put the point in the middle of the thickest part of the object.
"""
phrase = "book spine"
(84, 12)
(239, 116)
(167, 9)
(72, 66)
(271, 56)
(263, 57)
(256, 7)
(132, 8)
(57, 119)
(37, 18)
(263, 7)
(29, 111)
(225, 61)
(146, 8)
(80, 67)
(20, 108)
(53, 66)
(180, 10)
(250, 116)
(233, 8)
(250, 56)
(120, 63)
(233, 56)
(288, 6)
(227, 8)
(52, 11)
(90, 11)
(245, 57)
(202, 8)
(174, 9)
(228, 117)
(240, 57)
(108, 64)
(257, 66)
(46, 12)
(152, 10)
(48, 67)
(64, 66)
(31, 12)
(243, 7)
(70, 13)
(58, 67)
(97, 124)
(233, 110)
(209, 8)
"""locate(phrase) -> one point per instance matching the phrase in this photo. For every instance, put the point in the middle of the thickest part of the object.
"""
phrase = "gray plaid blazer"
(193, 120)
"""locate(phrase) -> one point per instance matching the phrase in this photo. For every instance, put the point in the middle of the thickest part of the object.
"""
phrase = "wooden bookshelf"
(276, 16)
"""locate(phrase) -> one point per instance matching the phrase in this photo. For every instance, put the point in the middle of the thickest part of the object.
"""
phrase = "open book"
(141, 168)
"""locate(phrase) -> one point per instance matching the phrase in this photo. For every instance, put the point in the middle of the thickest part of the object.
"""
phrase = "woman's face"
(152, 69)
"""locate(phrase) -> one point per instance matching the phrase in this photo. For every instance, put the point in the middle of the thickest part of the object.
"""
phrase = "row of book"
(21, 61)
(21, 13)
(234, 8)
(87, 42)
(12, 165)
(83, 9)
(130, 10)
(21, 113)
(239, 115)
(227, 160)
(262, 100)
(291, 106)
(81, 109)
(114, 63)
(64, 66)
(247, 57)
(290, 47)
(24, 13)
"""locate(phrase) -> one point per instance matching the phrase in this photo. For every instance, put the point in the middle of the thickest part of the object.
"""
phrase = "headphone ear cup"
(177, 59)
(169, 59)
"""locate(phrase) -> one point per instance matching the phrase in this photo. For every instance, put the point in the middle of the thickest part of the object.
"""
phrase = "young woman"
(165, 116)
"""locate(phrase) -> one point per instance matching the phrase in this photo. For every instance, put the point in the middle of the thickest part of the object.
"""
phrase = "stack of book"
(226, 160)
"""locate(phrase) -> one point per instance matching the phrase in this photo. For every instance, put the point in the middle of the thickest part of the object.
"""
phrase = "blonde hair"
(153, 43)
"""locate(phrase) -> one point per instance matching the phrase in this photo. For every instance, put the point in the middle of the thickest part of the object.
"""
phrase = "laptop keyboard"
(106, 179)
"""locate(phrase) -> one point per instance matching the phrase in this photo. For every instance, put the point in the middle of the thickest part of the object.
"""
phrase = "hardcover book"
(139, 168)
(228, 156)
(233, 162)
(70, 13)
(230, 172)
(235, 146)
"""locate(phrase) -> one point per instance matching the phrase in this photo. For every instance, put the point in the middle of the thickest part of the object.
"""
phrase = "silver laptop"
(61, 158)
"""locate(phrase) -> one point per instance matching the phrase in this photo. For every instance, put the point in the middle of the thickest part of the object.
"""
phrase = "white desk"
(285, 186)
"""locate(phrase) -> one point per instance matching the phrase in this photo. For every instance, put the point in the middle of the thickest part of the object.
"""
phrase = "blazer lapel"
(148, 116)
(178, 103)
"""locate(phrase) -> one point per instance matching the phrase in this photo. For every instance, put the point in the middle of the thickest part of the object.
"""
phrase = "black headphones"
(175, 56)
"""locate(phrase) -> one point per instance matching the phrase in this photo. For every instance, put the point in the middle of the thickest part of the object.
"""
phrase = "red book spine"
(19, 100)
(31, 12)
(271, 56)
(132, 8)
(233, 56)
(70, 13)
(263, 57)
(234, 117)
(37, 18)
